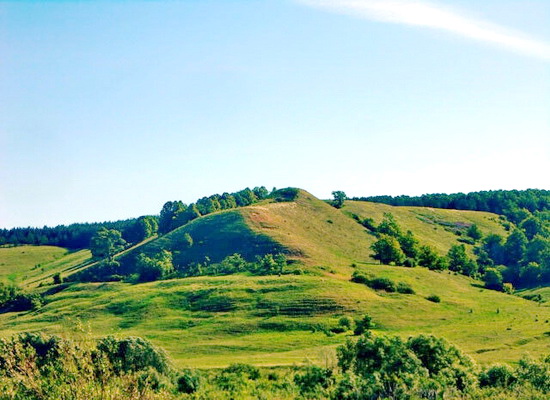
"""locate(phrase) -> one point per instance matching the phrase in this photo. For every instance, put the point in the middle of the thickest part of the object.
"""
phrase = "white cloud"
(436, 16)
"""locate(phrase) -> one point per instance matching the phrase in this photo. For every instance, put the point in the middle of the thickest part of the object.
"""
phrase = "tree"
(154, 268)
(339, 198)
(389, 226)
(460, 262)
(493, 279)
(474, 232)
(169, 215)
(106, 243)
(515, 247)
(387, 250)
(428, 258)
(494, 247)
(409, 245)
(144, 227)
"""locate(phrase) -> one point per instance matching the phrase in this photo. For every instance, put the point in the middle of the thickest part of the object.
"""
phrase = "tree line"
(172, 215)
(514, 204)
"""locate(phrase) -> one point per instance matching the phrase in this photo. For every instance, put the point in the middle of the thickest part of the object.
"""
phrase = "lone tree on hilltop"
(339, 198)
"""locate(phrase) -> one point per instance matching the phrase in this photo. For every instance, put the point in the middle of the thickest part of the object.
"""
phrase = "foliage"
(362, 325)
(106, 243)
(12, 298)
(339, 198)
(132, 354)
(387, 250)
(154, 268)
(493, 279)
(434, 298)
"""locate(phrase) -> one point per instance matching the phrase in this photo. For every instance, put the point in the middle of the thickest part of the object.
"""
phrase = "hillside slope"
(432, 226)
(281, 320)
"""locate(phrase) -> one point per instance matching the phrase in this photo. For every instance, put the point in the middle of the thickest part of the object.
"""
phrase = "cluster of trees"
(13, 298)
(522, 259)
(161, 266)
(269, 264)
(74, 236)
(393, 247)
(40, 367)
(511, 203)
(176, 213)
(172, 215)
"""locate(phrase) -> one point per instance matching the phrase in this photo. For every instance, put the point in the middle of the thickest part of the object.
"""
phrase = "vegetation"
(39, 367)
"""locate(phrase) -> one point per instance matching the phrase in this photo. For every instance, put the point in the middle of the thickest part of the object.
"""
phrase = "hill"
(211, 321)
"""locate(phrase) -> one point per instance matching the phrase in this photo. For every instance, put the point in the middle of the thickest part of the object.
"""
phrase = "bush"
(358, 277)
(346, 322)
(247, 370)
(405, 288)
(132, 354)
(497, 376)
(410, 262)
(314, 380)
(363, 325)
(434, 298)
(188, 382)
(382, 284)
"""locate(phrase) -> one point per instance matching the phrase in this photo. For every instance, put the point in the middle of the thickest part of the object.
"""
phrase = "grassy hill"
(281, 320)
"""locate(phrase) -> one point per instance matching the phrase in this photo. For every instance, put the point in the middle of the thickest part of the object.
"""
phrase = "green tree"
(460, 262)
(427, 257)
(169, 215)
(154, 268)
(409, 245)
(106, 243)
(338, 198)
(387, 250)
(389, 226)
(515, 247)
(474, 232)
(493, 279)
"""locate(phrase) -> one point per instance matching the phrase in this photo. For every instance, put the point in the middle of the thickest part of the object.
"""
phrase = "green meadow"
(281, 320)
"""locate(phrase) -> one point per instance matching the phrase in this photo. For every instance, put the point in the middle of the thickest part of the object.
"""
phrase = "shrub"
(188, 381)
(57, 279)
(346, 322)
(434, 298)
(382, 284)
(132, 354)
(313, 380)
(363, 325)
(405, 288)
(497, 376)
(410, 262)
(359, 277)
(247, 370)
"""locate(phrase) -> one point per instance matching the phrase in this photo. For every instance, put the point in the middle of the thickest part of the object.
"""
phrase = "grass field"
(214, 321)
(29, 265)
(432, 226)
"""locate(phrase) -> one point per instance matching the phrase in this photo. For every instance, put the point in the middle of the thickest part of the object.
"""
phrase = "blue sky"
(110, 108)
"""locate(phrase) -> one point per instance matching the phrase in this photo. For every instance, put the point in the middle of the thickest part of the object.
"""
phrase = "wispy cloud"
(436, 16)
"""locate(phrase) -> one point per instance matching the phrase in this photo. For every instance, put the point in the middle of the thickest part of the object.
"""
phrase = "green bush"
(359, 277)
(497, 376)
(362, 325)
(188, 381)
(313, 380)
(405, 288)
(382, 284)
(132, 354)
(434, 298)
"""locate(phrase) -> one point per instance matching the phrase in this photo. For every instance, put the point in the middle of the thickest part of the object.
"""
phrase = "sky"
(108, 109)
